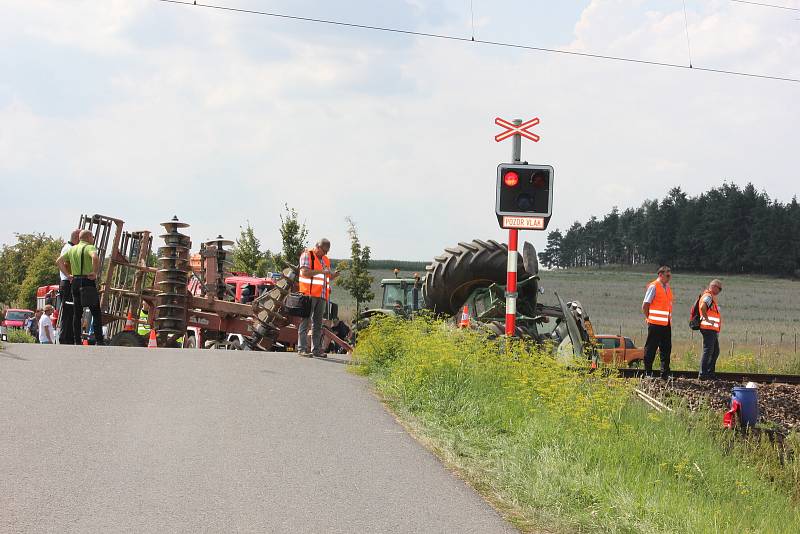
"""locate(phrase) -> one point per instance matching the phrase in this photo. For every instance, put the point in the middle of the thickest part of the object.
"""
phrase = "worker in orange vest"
(315, 280)
(710, 326)
(657, 310)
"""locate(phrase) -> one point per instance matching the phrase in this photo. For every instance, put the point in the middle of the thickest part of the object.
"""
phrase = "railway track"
(759, 378)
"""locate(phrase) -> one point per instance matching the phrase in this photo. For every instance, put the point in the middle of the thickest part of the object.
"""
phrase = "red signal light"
(511, 178)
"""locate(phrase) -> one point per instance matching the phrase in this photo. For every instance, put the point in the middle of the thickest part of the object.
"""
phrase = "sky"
(142, 110)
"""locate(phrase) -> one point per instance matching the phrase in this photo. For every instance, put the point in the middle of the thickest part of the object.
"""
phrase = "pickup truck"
(619, 350)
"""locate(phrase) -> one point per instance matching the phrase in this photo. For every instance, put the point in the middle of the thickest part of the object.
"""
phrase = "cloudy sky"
(142, 110)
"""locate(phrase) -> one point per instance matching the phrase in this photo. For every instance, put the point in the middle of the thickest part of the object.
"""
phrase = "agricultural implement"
(185, 306)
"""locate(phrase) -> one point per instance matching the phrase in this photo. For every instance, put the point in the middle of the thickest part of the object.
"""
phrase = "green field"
(761, 314)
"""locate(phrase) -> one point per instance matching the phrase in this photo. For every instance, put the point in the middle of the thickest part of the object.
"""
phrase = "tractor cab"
(402, 296)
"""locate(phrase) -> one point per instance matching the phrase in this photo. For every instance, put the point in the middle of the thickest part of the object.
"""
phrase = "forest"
(727, 229)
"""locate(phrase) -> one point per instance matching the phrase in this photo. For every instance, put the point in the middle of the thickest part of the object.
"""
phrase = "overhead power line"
(760, 4)
(480, 41)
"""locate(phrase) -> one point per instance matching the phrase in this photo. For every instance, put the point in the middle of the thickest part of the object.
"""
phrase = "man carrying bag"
(315, 282)
(82, 263)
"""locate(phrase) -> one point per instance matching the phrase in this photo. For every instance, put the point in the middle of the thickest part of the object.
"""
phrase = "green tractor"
(473, 275)
(401, 297)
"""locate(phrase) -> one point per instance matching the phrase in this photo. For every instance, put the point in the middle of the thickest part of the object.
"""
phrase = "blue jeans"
(708, 361)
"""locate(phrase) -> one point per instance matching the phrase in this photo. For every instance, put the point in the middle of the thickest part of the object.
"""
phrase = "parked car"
(15, 317)
(619, 350)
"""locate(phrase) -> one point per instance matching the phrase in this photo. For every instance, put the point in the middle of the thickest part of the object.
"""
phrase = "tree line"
(726, 229)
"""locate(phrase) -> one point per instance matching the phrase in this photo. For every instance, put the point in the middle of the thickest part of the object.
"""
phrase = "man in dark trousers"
(65, 335)
(657, 310)
(710, 327)
(82, 263)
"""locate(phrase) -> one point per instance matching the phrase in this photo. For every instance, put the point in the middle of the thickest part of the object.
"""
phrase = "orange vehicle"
(619, 350)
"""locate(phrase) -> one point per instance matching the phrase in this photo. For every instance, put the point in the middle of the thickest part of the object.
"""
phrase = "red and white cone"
(129, 323)
(464, 322)
(152, 343)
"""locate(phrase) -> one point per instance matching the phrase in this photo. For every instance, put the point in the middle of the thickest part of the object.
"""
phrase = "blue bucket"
(748, 399)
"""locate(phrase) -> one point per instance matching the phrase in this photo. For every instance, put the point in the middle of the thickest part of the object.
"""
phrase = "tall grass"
(569, 451)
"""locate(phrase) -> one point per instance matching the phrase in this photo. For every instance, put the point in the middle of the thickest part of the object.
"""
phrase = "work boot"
(320, 355)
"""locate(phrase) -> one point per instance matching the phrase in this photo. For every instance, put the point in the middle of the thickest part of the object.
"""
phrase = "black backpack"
(694, 314)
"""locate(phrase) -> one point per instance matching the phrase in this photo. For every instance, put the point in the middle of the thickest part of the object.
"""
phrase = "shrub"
(18, 335)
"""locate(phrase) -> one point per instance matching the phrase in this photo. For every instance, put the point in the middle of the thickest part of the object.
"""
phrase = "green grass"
(563, 451)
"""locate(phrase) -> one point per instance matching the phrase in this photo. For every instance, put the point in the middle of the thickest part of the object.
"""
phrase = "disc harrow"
(171, 279)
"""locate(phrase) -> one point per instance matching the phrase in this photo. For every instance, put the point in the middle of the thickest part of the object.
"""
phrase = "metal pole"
(513, 236)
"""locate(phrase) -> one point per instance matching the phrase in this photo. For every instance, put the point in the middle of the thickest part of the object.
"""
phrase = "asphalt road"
(107, 439)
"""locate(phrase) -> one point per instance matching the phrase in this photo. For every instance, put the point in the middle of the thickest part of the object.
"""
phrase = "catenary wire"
(760, 4)
(481, 41)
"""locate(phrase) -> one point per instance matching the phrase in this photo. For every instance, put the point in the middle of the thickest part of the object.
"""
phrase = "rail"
(761, 378)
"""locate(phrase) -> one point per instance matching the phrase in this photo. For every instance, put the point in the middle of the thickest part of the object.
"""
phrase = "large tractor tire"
(456, 273)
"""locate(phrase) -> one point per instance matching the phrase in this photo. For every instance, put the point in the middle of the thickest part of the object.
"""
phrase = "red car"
(15, 317)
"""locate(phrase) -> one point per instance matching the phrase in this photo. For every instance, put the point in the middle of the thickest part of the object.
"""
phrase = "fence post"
(745, 337)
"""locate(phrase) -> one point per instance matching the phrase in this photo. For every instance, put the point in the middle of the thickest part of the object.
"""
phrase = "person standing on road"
(657, 310)
(710, 326)
(65, 335)
(46, 333)
(315, 281)
(32, 324)
(82, 263)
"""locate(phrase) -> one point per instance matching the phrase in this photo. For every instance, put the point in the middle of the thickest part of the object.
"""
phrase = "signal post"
(524, 201)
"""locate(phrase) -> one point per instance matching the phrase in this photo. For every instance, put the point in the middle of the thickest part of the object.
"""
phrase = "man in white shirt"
(65, 335)
(46, 333)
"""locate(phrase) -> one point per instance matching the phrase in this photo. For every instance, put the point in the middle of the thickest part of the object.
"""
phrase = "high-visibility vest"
(315, 285)
(143, 328)
(714, 315)
(661, 306)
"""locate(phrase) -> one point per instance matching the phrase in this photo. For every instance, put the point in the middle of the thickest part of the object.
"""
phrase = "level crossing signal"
(524, 196)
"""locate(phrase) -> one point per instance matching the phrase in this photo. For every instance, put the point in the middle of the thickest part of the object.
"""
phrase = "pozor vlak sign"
(524, 198)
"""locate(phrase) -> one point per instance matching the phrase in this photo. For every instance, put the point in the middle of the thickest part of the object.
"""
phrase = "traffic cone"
(152, 343)
(464, 322)
(129, 323)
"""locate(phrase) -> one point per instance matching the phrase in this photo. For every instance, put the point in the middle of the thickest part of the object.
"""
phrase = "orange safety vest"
(661, 306)
(714, 316)
(318, 283)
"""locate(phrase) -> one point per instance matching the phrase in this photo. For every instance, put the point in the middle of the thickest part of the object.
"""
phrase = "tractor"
(473, 275)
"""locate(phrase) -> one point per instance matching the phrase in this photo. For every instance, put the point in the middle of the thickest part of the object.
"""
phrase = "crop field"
(761, 314)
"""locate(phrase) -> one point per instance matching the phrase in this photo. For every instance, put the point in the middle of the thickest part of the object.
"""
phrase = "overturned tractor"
(473, 274)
